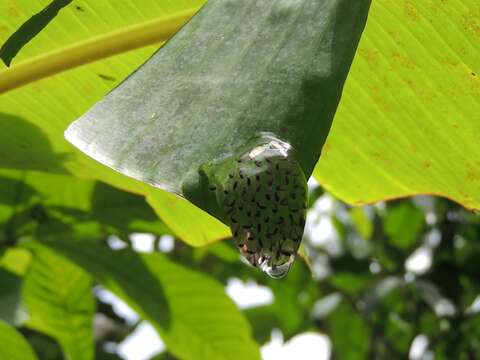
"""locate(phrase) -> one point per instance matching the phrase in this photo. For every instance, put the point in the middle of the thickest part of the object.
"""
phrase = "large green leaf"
(213, 89)
(182, 121)
(409, 120)
(33, 118)
(13, 345)
(406, 123)
(191, 311)
(59, 301)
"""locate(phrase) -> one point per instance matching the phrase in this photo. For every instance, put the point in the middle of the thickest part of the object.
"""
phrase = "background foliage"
(379, 275)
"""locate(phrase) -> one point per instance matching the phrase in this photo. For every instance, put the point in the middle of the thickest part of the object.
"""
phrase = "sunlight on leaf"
(13, 345)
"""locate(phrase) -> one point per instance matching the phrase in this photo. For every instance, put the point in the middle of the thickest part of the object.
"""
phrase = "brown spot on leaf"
(371, 56)
(410, 11)
(13, 11)
(471, 23)
(473, 175)
(403, 60)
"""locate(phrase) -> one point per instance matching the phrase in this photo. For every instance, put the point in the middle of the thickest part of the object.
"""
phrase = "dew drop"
(277, 271)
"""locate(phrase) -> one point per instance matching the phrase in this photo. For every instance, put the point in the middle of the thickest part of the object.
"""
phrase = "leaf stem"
(100, 47)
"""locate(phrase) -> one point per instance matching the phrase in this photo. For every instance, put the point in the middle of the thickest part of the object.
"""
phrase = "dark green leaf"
(349, 332)
(238, 69)
(403, 224)
(263, 319)
(351, 283)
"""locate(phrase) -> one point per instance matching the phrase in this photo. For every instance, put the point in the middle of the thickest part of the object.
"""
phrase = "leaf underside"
(235, 70)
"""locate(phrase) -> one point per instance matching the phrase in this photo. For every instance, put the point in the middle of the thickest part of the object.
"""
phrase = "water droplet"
(277, 271)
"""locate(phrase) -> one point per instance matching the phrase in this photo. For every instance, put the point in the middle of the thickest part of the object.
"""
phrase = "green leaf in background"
(349, 332)
(59, 302)
(409, 119)
(403, 224)
(349, 282)
(190, 311)
(13, 345)
(362, 222)
(60, 204)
